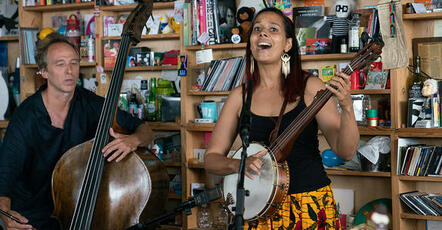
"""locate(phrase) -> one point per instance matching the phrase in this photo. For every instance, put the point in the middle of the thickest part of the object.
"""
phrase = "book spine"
(210, 22)
(216, 19)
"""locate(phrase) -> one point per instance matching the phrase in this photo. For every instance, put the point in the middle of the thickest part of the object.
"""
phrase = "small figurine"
(244, 16)
(430, 88)
(340, 23)
(236, 38)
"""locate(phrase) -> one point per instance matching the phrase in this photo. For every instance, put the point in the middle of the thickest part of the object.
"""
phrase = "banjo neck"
(282, 145)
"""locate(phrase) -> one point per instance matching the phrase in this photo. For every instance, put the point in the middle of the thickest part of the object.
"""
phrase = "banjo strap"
(275, 131)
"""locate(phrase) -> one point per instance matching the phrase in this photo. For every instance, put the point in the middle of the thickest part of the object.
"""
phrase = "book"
(226, 10)
(310, 27)
(110, 51)
(405, 198)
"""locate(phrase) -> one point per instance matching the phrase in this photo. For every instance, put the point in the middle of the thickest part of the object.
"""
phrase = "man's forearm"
(5, 203)
(144, 134)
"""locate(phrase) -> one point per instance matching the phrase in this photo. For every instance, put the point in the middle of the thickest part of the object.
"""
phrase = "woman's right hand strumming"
(254, 164)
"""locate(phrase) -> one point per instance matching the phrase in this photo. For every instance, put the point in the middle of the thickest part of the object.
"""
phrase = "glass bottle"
(151, 101)
(204, 221)
(353, 34)
(418, 76)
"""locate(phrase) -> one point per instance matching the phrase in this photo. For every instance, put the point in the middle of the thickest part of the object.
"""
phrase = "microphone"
(199, 199)
(203, 197)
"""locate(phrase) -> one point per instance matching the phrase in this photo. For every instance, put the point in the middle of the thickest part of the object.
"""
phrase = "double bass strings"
(85, 207)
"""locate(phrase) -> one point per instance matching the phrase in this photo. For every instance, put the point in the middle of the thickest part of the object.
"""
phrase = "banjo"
(268, 190)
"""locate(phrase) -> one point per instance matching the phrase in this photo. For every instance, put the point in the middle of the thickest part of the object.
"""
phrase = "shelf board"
(375, 130)
(8, 38)
(201, 127)
(206, 93)
(420, 178)
(145, 68)
(174, 196)
(148, 37)
(371, 91)
(327, 57)
(420, 132)
(156, 6)
(420, 217)
(218, 46)
(422, 16)
(164, 125)
(195, 166)
(4, 124)
(61, 7)
(225, 93)
(338, 172)
(172, 164)
(82, 64)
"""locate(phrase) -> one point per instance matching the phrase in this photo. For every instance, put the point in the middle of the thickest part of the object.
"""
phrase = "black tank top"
(306, 170)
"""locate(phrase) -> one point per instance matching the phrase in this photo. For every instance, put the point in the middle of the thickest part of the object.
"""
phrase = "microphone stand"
(199, 199)
(244, 127)
(186, 207)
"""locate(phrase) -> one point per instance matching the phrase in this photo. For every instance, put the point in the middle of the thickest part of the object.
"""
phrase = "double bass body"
(131, 191)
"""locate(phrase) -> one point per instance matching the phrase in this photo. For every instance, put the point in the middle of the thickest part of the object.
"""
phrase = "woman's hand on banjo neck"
(254, 164)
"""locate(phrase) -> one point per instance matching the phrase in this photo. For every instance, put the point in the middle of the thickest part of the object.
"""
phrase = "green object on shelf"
(366, 210)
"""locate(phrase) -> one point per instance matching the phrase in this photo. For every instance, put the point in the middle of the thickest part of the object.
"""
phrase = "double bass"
(90, 193)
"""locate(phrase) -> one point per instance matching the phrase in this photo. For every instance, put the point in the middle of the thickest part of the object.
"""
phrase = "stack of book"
(420, 160)
(423, 203)
(27, 39)
(224, 74)
(209, 21)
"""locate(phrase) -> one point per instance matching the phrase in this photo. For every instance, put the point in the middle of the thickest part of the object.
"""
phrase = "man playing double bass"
(58, 116)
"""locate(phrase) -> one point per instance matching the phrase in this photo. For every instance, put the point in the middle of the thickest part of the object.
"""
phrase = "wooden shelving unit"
(423, 16)
(60, 7)
(149, 37)
(164, 125)
(420, 217)
(124, 8)
(8, 38)
(337, 172)
(217, 47)
(172, 164)
(420, 132)
(420, 178)
(145, 68)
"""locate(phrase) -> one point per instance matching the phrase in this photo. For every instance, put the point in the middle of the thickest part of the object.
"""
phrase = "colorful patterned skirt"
(308, 210)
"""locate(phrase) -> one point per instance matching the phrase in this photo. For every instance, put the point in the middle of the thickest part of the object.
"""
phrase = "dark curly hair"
(294, 85)
(43, 46)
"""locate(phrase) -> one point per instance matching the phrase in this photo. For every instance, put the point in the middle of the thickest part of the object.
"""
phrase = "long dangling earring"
(285, 66)
(252, 64)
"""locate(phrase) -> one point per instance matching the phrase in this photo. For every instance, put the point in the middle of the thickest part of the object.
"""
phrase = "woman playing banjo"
(274, 67)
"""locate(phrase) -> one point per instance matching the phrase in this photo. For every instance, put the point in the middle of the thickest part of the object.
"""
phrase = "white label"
(204, 56)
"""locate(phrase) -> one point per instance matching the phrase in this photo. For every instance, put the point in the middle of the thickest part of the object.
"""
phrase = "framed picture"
(430, 52)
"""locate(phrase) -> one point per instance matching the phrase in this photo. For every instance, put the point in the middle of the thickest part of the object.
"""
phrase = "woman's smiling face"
(268, 38)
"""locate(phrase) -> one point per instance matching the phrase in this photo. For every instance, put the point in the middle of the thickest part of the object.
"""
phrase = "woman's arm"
(340, 130)
(215, 160)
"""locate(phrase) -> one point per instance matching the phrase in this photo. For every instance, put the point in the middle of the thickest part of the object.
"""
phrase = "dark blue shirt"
(32, 147)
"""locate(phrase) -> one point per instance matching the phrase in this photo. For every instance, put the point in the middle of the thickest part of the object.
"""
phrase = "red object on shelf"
(171, 57)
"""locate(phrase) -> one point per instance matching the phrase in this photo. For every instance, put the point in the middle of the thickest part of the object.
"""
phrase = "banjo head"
(261, 188)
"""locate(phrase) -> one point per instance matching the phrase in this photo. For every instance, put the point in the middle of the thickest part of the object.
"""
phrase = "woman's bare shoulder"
(313, 84)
